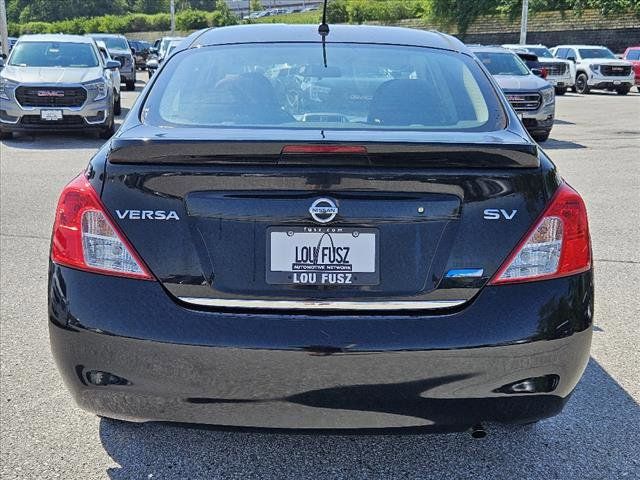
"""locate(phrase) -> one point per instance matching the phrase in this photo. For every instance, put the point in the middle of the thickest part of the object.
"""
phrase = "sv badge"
(499, 214)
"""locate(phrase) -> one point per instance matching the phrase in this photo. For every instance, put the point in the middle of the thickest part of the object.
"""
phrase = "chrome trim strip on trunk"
(321, 304)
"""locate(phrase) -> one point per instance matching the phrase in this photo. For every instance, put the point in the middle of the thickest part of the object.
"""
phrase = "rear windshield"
(542, 52)
(289, 86)
(499, 63)
(53, 54)
(113, 43)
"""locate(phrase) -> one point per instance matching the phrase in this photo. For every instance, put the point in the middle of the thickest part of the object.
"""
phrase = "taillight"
(558, 244)
(85, 237)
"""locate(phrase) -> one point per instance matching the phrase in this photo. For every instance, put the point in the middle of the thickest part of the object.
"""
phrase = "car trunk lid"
(407, 226)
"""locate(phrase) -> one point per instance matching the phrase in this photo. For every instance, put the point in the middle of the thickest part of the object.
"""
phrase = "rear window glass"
(541, 52)
(499, 63)
(113, 43)
(289, 86)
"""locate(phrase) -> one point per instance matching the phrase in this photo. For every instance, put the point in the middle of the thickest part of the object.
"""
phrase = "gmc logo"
(50, 93)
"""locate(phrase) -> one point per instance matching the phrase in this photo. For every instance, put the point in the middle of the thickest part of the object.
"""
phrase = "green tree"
(462, 12)
(150, 6)
(191, 20)
(256, 5)
(51, 10)
(206, 5)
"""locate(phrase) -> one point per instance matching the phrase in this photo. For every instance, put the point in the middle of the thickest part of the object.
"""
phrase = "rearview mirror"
(113, 64)
(320, 71)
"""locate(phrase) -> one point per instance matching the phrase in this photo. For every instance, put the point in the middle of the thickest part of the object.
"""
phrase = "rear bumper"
(128, 73)
(440, 372)
(561, 81)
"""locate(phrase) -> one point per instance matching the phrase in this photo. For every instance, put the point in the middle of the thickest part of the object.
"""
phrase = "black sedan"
(141, 51)
(342, 231)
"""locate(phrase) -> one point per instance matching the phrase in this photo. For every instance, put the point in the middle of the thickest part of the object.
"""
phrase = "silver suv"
(597, 67)
(56, 82)
(560, 73)
(531, 97)
(119, 50)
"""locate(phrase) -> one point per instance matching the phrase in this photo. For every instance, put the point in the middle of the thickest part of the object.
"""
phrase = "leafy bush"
(35, 27)
(215, 19)
(337, 11)
(361, 11)
(135, 22)
(160, 22)
(191, 20)
(225, 17)
(139, 23)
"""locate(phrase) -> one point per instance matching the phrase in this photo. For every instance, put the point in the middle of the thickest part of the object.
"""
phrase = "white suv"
(560, 73)
(597, 67)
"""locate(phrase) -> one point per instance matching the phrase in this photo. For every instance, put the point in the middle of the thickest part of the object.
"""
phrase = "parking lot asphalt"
(595, 143)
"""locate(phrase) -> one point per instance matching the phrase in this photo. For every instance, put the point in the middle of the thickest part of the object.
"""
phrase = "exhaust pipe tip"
(478, 431)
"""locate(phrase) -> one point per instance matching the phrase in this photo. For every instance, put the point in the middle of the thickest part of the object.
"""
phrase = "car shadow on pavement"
(553, 144)
(55, 141)
(123, 113)
(595, 437)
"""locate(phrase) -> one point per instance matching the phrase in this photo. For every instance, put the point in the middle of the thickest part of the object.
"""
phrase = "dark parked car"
(238, 256)
(141, 51)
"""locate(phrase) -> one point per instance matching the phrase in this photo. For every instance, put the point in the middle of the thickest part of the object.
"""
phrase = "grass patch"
(313, 17)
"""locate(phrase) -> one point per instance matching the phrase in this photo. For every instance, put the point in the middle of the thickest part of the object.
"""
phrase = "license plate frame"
(363, 270)
(51, 115)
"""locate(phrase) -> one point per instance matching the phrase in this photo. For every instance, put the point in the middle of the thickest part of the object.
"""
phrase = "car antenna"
(323, 30)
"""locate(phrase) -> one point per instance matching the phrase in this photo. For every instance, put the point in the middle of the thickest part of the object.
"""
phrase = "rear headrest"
(250, 97)
(404, 102)
(248, 88)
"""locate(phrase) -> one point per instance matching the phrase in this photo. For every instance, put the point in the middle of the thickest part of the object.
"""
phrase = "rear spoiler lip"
(491, 151)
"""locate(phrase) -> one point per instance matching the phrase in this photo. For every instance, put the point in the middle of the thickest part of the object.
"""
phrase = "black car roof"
(273, 33)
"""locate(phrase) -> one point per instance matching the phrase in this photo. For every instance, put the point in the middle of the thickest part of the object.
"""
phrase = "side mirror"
(152, 63)
(113, 64)
(133, 51)
(572, 59)
(2, 62)
(153, 50)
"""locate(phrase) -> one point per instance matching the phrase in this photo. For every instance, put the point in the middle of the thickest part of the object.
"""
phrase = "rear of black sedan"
(288, 232)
